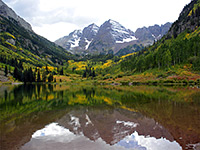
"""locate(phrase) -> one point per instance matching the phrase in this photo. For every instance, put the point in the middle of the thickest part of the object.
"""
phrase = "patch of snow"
(156, 38)
(88, 43)
(159, 35)
(95, 28)
(128, 123)
(118, 28)
(194, 146)
(75, 43)
(119, 31)
(88, 120)
(76, 32)
(132, 38)
(153, 36)
(75, 122)
(157, 126)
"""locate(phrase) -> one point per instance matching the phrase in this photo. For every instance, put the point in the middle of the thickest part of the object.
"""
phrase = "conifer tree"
(44, 77)
(61, 71)
(15, 75)
(47, 70)
(6, 70)
(50, 78)
(38, 76)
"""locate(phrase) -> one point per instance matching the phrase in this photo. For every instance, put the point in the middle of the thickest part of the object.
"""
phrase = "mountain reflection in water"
(104, 117)
(99, 129)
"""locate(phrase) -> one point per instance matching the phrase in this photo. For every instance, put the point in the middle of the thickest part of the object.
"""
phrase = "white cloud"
(56, 30)
(47, 15)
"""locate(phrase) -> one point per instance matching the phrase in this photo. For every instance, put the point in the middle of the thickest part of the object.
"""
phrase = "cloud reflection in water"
(54, 133)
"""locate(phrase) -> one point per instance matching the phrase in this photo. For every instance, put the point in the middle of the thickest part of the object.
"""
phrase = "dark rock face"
(188, 19)
(90, 32)
(143, 34)
(7, 12)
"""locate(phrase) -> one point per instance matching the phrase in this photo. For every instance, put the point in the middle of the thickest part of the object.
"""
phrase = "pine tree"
(32, 79)
(34, 75)
(47, 70)
(93, 73)
(58, 70)
(61, 71)
(84, 74)
(6, 70)
(38, 76)
(9, 69)
(44, 77)
(50, 78)
(15, 75)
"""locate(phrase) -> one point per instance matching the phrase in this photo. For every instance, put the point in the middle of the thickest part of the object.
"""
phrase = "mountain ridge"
(111, 37)
(9, 13)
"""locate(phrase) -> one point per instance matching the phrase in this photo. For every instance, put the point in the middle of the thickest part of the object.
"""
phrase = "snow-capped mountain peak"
(119, 32)
(110, 37)
(76, 33)
(79, 39)
(93, 27)
(90, 31)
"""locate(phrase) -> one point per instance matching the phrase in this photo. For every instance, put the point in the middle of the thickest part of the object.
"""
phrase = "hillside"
(188, 20)
(18, 41)
(181, 46)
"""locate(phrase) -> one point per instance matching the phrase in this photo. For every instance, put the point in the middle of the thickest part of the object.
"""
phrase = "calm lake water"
(66, 117)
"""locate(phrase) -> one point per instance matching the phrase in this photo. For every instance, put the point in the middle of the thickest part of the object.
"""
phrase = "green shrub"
(185, 82)
(191, 82)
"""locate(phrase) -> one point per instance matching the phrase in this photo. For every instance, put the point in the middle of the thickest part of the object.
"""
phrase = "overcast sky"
(57, 18)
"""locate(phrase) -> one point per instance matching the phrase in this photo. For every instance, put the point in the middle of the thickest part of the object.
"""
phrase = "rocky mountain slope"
(189, 19)
(110, 34)
(18, 41)
(8, 13)
(78, 40)
(110, 37)
(152, 33)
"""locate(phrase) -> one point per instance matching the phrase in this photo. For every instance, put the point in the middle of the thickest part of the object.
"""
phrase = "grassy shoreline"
(173, 76)
(164, 82)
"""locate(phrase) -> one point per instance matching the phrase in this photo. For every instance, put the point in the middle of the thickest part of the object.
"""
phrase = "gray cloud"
(57, 16)
(8, 1)
(25, 8)
(30, 11)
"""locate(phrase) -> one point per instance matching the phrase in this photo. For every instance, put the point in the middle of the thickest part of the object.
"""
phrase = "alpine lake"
(99, 117)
